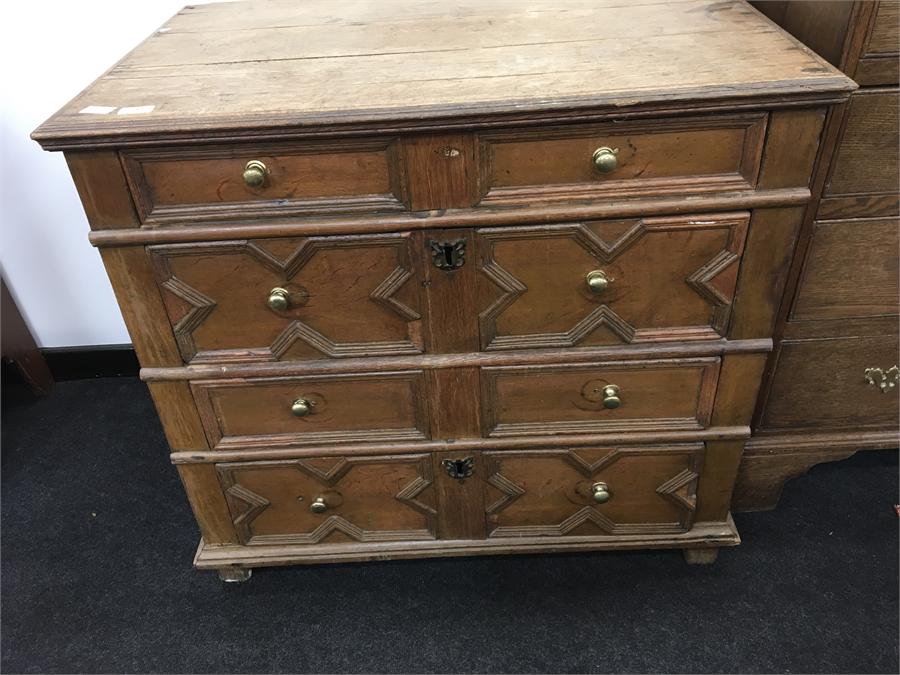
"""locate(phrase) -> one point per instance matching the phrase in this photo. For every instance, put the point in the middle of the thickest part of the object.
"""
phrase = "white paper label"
(136, 110)
(97, 110)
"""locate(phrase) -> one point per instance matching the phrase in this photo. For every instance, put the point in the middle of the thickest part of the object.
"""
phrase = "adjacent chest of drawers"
(428, 283)
(843, 296)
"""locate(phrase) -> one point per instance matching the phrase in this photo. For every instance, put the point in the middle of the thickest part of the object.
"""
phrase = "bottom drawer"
(579, 492)
(592, 491)
(823, 383)
(333, 499)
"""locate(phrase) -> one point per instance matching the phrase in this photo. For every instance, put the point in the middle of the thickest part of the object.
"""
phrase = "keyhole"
(448, 254)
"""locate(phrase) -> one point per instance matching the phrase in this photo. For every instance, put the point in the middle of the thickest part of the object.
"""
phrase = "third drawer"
(292, 410)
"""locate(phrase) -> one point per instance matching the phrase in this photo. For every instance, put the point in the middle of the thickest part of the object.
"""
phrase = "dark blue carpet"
(97, 540)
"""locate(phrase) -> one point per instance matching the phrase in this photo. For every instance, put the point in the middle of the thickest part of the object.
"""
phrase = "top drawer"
(634, 158)
(419, 172)
(247, 181)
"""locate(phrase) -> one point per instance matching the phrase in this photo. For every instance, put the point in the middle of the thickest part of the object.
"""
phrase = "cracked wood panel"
(348, 296)
(544, 300)
(326, 61)
(548, 492)
(368, 499)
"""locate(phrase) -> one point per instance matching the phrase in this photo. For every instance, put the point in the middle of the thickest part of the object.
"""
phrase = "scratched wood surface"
(283, 62)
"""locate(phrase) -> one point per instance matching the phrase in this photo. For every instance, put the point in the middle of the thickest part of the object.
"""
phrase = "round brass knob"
(301, 407)
(279, 299)
(605, 159)
(601, 492)
(255, 173)
(318, 505)
(598, 281)
(611, 396)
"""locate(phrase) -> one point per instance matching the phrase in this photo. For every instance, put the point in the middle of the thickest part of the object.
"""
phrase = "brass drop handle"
(279, 299)
(598, 281)
(600, 492)
(606, 159)
(885, 380)
(611, 398)
(318, 505)
(255, 173)
(301, 407)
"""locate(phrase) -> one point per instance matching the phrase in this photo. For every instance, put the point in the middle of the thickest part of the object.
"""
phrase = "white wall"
(49, 52)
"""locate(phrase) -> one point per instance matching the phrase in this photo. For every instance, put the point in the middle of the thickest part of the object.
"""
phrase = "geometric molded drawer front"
(330, 500)
(841, 247)
(663, 394)
(592, 491)
(189, 184)
(609, 282)
(658, 157)
(339, 297)
(325, 409)
(821, 384)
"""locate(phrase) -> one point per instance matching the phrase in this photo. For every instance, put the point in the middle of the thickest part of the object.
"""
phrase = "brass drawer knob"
(600, 492)
(611, 397)
(255, 173)
(279, 299)
(301, 407)
(598, 281)
(606, 159)
(318, 505)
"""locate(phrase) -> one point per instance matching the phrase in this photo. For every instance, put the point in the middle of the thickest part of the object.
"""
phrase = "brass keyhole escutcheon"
(611, 398)
(460, 469)
(885, 380)
(600, 492)
(606, 159)
(255, 173)
(448, 255)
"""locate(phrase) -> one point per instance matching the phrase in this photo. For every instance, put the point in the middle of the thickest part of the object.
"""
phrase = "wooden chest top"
(256, 67)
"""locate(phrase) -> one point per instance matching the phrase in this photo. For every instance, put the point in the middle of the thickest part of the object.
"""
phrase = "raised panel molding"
(245, 505)
(680, 490)
(201, 306)
(660, 412)
(701, 281)
(325, 428)
(274, 201)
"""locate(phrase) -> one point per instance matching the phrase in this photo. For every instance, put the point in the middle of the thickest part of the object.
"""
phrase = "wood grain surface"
(267, 63)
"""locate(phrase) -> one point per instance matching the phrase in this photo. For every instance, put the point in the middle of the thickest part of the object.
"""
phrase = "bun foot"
(700, 556)
(234, 575)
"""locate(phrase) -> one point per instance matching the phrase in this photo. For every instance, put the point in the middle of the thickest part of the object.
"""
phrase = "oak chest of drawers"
(413, 281)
